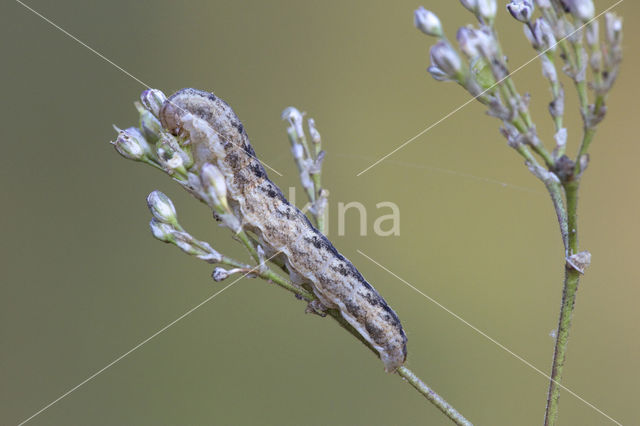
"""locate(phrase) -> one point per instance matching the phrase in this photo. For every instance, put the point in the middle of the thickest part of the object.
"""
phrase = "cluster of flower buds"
(308, 159)
(166, 228)
(560, 30)
(150, 143)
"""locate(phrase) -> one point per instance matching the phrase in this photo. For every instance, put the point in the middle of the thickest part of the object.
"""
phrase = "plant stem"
(402, 371)
(572, 277)
(435, 399)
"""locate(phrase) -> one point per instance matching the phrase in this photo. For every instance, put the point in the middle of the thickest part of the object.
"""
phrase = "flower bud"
(219, 274)
(561, 137)
(214, 183)
(549, 69)
(540, 35)
(149, 124)
(583, 10)
(475, 43)
(131, 144)
(297, 151)
(521, 9)
(487, 9)
(427, 22)
(591, 33)
(294, 117)
(613, 28)
(315, 135)
(446, 59)
(152, 99)
(438, 74)
(161, 231)
(161, 208)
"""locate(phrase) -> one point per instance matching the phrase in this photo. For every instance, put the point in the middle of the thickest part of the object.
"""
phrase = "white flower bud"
(161, 207)
(175, 161)
(542, 37)
(521, 9)
(152, 99)
(315, 135)
(549, 69)
(592, 33)
(214, 183)
(446, 59)
(438, 74)
(297, 150)
(561, 137)
(613, 26)
(427, 22)
(543, 4)
(131, 144)
(161, 231)
(583, 10)
(475, 43)
(294, 117)
(487, 9)
(219, 274)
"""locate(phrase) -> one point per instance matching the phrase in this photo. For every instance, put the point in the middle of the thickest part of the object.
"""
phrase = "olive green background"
(83, 281)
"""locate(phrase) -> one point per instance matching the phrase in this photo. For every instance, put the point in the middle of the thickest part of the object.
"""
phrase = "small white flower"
(475, 43)
(487, 9)
(541, 37)
(592, 33)
(214, 183)
(161, 231)
(613, 25)
(549, 69)
(131, 144)
(297, 150)
(219, 274)
(446, 59)
(437, 73)
(175, 161)
(161, 207)
(153, 99)
(521, 9)
(427, 22)
(294, 117)
(583, 10)
(315, 135)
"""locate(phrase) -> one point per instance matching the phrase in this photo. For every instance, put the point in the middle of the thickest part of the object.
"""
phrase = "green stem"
(244, 238)
(572, 277)
(587, 138)
(435, 399)
(402, 371)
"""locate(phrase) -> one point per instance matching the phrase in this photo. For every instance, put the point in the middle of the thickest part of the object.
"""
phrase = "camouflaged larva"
(217, 136)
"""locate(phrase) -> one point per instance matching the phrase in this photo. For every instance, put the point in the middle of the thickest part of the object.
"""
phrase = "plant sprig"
(567, 29)
(149, 143)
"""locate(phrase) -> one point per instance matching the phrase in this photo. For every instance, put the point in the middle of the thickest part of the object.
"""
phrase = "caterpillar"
(217, 136)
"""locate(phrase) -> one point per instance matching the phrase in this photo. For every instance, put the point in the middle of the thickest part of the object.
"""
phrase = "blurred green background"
(83, 281)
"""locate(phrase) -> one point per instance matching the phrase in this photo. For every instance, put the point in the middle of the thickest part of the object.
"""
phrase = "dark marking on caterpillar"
(217, 136)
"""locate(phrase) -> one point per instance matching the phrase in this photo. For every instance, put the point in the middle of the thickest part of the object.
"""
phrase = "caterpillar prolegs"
(217, 136)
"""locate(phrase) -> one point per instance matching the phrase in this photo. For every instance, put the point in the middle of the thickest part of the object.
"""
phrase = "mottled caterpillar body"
(217, 136)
